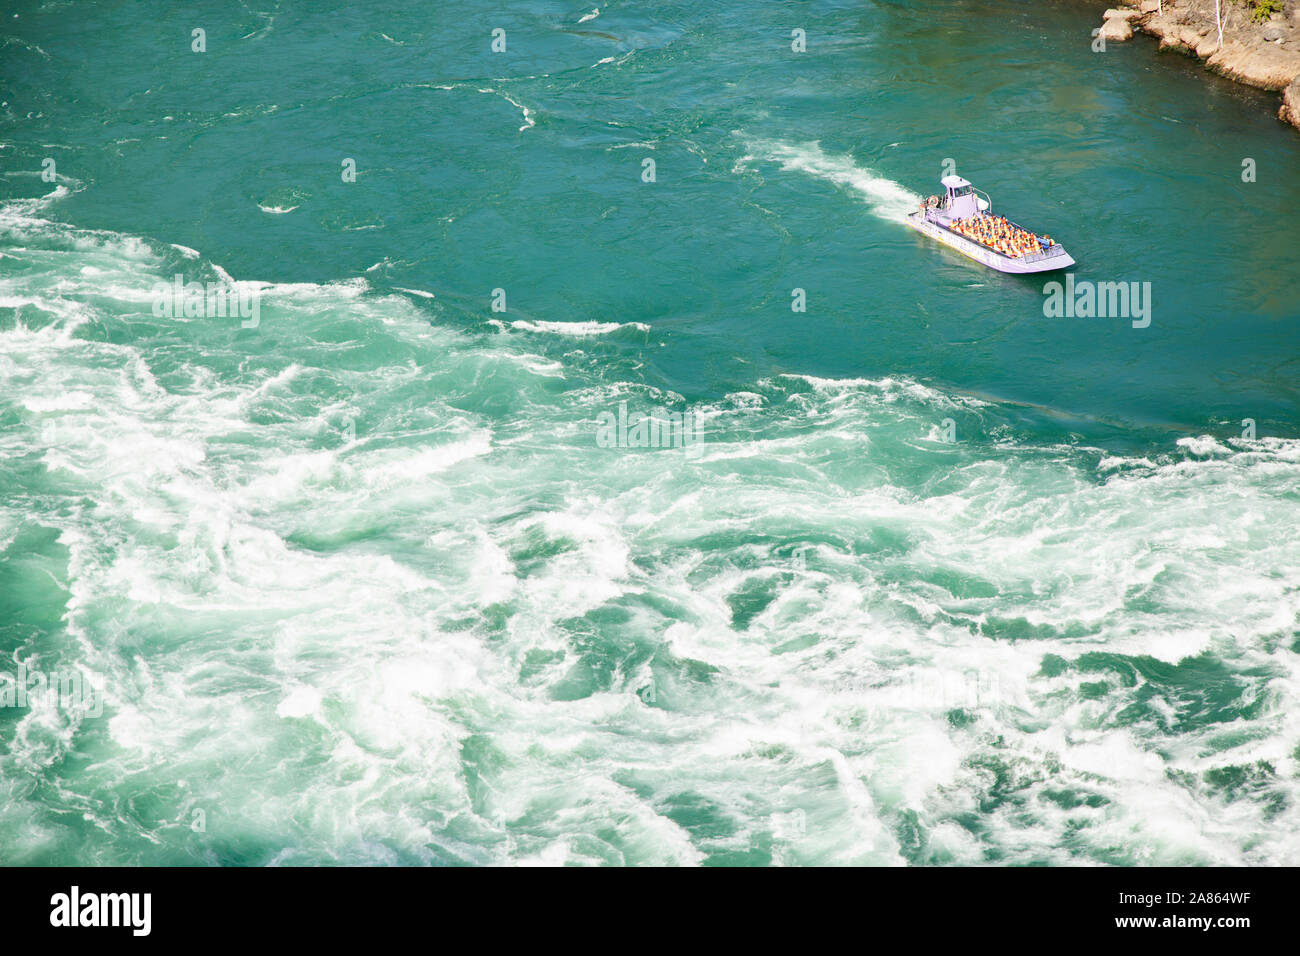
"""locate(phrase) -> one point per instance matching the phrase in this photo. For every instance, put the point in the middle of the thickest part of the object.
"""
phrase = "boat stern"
(1052, 263)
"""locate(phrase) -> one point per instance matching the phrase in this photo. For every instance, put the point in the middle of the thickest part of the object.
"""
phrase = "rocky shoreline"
(1263, 53)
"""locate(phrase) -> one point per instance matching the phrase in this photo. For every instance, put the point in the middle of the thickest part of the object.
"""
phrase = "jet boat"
(963, 219)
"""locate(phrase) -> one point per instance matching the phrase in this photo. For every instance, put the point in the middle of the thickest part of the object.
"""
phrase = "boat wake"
(886, 198)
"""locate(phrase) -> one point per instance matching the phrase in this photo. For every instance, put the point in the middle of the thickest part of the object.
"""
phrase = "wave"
(527, 113)
(574, 329)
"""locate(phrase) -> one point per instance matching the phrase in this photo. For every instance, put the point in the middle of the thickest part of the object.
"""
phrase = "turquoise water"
(938, 580)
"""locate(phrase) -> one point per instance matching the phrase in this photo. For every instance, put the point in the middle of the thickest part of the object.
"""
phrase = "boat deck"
(1050, 259)
(1053, 250)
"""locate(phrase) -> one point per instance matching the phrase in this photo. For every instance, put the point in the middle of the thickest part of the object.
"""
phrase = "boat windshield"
(961, 191)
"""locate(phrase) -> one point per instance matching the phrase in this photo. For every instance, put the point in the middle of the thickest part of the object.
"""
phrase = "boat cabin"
(960, 200)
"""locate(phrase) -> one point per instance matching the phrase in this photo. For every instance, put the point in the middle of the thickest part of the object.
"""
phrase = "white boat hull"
(989, 257)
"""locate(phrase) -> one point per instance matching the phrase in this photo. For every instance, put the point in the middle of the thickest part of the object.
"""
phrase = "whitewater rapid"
(361, 586)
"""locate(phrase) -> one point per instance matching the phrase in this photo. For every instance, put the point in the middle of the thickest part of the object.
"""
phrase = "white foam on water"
(577, 329)
(622, 58)
(66, 401)
(886, 198)
(889, 389)
(527, 113)
(405, 465)
(300, 702)
(1203, 445)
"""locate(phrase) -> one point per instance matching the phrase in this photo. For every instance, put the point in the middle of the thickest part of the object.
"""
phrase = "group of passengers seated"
(997, 233)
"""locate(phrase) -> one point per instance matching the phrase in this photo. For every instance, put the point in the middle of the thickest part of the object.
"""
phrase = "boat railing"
(1056, 249)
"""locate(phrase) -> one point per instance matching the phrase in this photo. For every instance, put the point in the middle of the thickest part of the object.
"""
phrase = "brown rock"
(1121, 14)
(1290, 111)
(1160, 26)
(1149, 6)
(1268, 67)
(1116, 30)
(1182, 39)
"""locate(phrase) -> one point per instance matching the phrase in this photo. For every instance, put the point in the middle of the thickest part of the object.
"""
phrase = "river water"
(918, 574)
